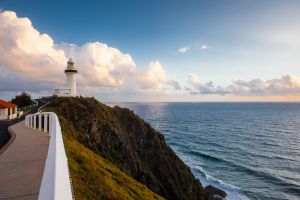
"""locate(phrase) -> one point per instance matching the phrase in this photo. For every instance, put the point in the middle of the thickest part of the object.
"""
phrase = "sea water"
(249, 150)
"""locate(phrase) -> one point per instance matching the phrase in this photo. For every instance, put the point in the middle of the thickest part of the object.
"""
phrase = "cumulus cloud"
(152, 76)
(199, 87)
(284, 85)
(183, 49)
(99, 64)
(25, 51)
(33, 58)
(174, 84)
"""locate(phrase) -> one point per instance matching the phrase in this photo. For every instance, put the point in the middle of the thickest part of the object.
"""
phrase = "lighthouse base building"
(70, 89)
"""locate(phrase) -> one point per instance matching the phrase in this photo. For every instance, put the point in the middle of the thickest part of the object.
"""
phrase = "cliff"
(94, 177)
(122, 138)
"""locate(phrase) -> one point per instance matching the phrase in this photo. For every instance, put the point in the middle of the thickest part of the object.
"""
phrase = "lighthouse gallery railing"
(56, 184)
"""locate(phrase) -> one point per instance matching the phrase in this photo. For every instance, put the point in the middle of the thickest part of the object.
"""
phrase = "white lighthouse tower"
(71, 73)
(70, 89)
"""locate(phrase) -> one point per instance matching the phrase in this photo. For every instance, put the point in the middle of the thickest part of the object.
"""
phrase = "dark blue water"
(250, 150)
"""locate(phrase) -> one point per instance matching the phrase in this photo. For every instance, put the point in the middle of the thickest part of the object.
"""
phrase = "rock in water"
(215, 193)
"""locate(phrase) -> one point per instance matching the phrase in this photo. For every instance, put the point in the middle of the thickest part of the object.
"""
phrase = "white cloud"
(152, 76)
(196, 86)
(174, 84)
(284, 85)
(183, 49)
(99, 65)
(203, 46)
(25, 51)
(192, 48)
(33, 58)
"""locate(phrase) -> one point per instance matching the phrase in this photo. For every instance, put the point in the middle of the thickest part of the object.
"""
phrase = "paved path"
(22, 162)
(4, 124)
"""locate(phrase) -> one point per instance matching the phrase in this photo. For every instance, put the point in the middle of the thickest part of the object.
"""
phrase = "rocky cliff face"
(123, 138)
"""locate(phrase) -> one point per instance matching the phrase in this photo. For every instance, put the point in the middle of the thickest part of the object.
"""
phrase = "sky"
(157, 51)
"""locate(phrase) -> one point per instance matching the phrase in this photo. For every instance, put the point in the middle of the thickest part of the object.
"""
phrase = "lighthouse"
(70, 88)
(71, 73)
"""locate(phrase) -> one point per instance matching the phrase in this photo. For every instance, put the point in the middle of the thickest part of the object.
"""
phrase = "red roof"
(4, 104)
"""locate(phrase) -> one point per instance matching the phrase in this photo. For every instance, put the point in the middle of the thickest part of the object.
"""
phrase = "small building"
(8, 110)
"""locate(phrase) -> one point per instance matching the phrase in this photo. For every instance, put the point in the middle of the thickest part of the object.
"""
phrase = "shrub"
(22, 100)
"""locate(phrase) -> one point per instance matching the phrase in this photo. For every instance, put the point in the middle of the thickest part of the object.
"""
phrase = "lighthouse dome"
(71, 64)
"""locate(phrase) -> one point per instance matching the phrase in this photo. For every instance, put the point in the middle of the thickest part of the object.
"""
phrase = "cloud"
(203, 46)
(32, 61)
(25, 51)
(183, 49)
(199, 87)
(99, 65)
(152, 76)
(174, 84)
(11, 82)
(192, 48)
(284, 85)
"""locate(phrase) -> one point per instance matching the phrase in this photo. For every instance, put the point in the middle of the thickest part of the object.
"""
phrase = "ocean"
(249, 150)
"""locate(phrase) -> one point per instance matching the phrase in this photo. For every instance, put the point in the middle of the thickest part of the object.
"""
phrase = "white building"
(70, 89)
(8, 110)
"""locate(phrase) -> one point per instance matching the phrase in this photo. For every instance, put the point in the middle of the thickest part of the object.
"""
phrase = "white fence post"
(46, 122)
(31, 121)
(40, 122)
(34, 121)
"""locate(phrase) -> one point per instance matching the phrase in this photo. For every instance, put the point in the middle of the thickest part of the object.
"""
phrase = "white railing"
(56, 178)
(36, 103)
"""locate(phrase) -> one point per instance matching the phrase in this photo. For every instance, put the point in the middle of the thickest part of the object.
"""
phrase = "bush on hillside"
(22, 100)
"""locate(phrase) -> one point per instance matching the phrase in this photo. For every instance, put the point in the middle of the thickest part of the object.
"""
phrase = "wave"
(273, 179)
(233, 192)
(206, 156)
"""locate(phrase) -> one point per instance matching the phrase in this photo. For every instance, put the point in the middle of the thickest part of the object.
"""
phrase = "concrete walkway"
(22, 163)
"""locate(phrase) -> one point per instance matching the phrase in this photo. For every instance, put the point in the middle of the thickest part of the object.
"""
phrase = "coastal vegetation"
(96, 178)
(22, 100)
(114, 154)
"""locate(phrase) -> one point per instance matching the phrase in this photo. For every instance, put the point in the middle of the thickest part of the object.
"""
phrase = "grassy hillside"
(125, 142)
(96, 178)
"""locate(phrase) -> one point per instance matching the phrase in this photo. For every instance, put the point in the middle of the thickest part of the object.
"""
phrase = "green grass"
(120, 138)
(96, 178)
(26, 109)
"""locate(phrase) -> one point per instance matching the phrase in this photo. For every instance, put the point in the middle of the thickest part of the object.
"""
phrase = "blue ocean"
(250, 150)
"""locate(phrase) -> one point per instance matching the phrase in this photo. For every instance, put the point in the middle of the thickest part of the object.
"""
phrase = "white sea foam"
(233, 192)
